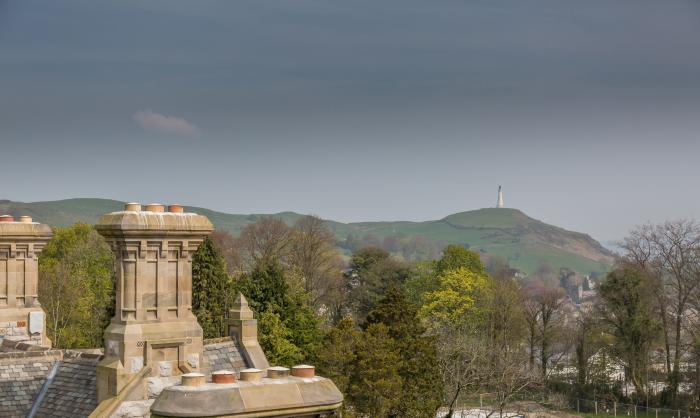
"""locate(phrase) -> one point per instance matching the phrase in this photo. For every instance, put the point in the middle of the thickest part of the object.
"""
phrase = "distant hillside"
(523, 241)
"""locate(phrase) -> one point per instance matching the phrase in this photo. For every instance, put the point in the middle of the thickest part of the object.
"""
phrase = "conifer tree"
(268, 291)
(337, 353)
(421, 394)
(376, 384)
(211, 289)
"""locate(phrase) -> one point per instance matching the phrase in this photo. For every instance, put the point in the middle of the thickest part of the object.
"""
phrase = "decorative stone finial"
(240, 309)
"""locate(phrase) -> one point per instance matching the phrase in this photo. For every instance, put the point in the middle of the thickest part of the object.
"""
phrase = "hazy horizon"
(586, 112)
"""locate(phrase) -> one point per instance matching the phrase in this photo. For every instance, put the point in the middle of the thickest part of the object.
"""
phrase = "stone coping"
(209, 341)
(153, 222)
(23, 350)
(266, 397)
(24, 230)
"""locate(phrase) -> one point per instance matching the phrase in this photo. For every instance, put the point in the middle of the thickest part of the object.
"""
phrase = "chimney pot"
(25, 219)
(193, 379)
(223, 376)
(155, 207)
(132, 207)
(176, 209)
(251, 375)
(6, 218)
(303, 370)
(277, 372)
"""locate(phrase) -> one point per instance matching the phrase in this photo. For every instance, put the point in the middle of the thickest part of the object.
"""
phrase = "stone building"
(155, 361)
(21, 316)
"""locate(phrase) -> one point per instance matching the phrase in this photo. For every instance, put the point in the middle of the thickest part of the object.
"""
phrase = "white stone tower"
(499, 204)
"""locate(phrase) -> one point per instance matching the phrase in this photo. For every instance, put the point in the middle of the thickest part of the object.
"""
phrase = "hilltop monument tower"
(499, 204)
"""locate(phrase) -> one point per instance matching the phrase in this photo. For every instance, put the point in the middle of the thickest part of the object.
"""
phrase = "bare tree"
(530, 315)
(267, 240)
(670, 252)
(230, 249)
(314, 253)
(490, 355)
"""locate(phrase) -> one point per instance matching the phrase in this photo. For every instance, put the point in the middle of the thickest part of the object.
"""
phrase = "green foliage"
(376, 388)
(388, 369)
(456, 256)
(372, 270)
(76, 287)
(337, 353)
(628, 307)
(459, 298)
(212, 289)
(268, 290)
(275, 338)
(422, 387)
(422, 280)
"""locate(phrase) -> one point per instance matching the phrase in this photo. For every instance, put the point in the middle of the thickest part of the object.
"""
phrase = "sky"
(586, 111)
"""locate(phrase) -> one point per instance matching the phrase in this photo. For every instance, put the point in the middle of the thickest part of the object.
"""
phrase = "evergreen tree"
(337, 353)
(422, 392)
(372, 270)
(276, 340)
(376, 385)
(268, 291)
(211, 289)
(456, 256)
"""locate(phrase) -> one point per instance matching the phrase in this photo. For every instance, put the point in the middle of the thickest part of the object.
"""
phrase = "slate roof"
(223, 354)
(73, 390)
(20, 381)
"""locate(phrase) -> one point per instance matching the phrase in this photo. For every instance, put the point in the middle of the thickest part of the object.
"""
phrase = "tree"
(480, 346)
(372, 271)
(670, 254)
(229, 247)
(422, 389)
(338, 353)
(265, 241)
(457, 297)
(212, 289)
(455, 256)
(627, 306)
(268, 290)
(276, 340)
(76, 288)
(376, 387)
(544, 316)
(313, 252)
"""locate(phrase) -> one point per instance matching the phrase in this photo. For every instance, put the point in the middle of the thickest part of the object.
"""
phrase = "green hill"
(524, 242)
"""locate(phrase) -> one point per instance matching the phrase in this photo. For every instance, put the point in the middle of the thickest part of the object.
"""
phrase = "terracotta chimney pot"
(251, 375)
(304, 370)
(6, 218)
(193, 379)
(223, 376)
(155, 207)
(132, 207)
(176, 209)
(277, 372)
(25, 219)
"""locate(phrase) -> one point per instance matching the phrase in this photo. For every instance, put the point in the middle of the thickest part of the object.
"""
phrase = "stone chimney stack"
(21, 316)
(153, 326)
